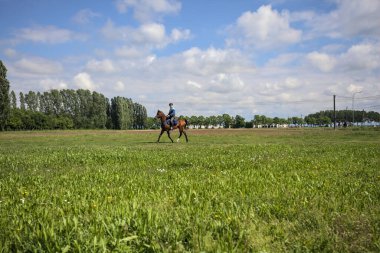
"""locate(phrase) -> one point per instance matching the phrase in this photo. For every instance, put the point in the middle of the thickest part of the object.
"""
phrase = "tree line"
(66, 109)
(83, 109)
(321, 118)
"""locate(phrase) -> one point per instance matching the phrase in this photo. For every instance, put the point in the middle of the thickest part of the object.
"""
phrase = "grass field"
(294, 190)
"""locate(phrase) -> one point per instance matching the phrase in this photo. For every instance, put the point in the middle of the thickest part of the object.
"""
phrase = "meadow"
(251, 190)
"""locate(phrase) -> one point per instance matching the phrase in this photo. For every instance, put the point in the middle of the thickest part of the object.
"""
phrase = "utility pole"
(362, 117)
(334, 113)
(353, 108)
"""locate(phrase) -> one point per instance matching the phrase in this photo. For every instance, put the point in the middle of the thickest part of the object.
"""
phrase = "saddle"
(169, 122)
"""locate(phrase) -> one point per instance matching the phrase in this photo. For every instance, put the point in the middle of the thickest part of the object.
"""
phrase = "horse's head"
(160, 115)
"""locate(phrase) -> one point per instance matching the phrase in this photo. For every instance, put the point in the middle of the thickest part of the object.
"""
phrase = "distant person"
(171, 114)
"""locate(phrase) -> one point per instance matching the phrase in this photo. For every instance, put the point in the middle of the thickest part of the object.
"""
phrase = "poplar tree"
(13, 100)
(4, 97)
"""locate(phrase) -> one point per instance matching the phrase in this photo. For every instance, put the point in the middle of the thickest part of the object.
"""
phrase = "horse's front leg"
(169, 136)
(162, 131)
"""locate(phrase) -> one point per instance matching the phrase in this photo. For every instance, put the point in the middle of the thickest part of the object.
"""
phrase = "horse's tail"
(187, 123)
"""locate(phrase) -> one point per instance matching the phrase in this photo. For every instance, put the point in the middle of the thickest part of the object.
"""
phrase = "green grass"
(312, 190)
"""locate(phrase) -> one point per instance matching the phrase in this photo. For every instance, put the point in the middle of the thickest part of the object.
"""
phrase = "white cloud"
(47, 34)
(84, 16)
(177, 34)
(145, 37)
(37, 65)
(193, 84)
(148, 10)
(212, 61)
(130, 51)
(9, 52)
(292, 82)
(323, 62)
(265, 28)
(364, 56)
(151, 33)
(83, 81)
(351, 18)
(226, 83)
(150, 59)
(48, 84)
(352, 88)
(105, 66)
(119, 86)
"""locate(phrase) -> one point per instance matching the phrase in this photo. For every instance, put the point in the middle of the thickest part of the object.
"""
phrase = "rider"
(171, 114)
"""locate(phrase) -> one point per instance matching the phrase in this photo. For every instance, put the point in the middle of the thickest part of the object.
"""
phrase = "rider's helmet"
(170, 104)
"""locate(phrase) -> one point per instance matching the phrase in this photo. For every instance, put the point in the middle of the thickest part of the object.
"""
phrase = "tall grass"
(224, 191)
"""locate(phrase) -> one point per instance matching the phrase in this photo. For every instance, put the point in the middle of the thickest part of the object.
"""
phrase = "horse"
(182, 123)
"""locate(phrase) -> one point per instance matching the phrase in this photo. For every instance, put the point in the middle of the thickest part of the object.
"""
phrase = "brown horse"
(182, 123)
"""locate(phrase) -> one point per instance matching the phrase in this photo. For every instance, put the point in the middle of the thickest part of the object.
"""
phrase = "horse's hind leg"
(180, 134)
(169, 136)
(184, 132)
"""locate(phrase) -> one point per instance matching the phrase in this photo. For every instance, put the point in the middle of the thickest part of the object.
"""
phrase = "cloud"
(266, 28)
(148, 10)
(351, 18)
(105, 66)
(323, 62)
(212, 61)
(47, 34)
(151, 33)
(365, 56)
(352, 88)
(9, 52)
(48, 84)
(178, 35)
(226, 83)
(84, 16)
(119, 86)
(292, 83)
(145, 37)
(192, 85)
(130, 51)
(83, 81)
(37, 65)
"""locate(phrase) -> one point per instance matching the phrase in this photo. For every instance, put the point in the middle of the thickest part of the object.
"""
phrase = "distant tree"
(239, 122)
(310, 120)
(249, 124)
(206, 122)
(5, 105)
(121, 113)
(56, 102)
(99, 110)
(219, 120)
(31, 101)
(201, 121)
(213, 121)
(152, 123)
(85, 103)
(13, 100)
(22, 101)
(227, 120)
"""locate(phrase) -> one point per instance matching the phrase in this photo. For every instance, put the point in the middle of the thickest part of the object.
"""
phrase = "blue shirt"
(171, 112)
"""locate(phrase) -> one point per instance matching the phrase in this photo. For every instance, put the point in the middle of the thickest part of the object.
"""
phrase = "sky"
(279, 58)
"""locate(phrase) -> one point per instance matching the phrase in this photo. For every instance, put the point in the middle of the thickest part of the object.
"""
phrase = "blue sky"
(278, 58)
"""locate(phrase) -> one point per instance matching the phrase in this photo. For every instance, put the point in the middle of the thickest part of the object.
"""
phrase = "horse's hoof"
(177, 140)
